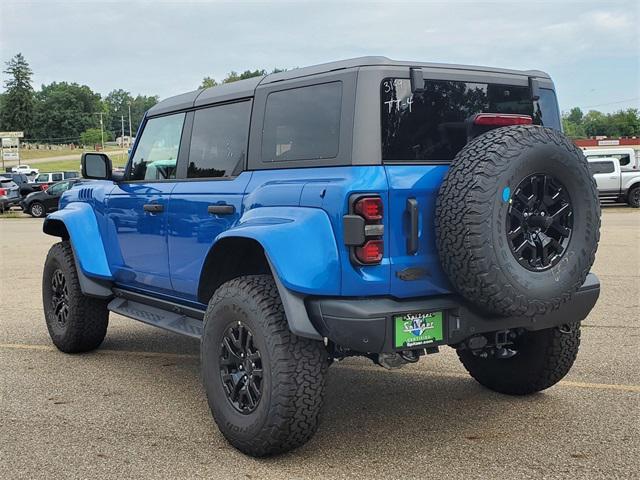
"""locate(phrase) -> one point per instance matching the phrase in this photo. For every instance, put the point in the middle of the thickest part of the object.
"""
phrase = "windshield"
(432, 125)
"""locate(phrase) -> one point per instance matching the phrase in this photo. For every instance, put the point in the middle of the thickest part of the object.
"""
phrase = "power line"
(611, 103)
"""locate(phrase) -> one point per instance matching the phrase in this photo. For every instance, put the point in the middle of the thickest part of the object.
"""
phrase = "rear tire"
(544, 357)
(633, 197)
(266, 400)
(76, 323)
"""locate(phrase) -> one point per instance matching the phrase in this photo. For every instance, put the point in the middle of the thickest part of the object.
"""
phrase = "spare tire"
(518, 221)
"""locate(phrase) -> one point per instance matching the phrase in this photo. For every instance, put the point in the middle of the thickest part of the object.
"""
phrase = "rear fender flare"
(300, 246)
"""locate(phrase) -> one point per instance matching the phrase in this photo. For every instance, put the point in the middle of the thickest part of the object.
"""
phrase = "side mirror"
(96, 166)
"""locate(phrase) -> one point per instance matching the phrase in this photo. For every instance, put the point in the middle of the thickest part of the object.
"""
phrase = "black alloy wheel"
(60, 297)
(241, 368)
(539, 222)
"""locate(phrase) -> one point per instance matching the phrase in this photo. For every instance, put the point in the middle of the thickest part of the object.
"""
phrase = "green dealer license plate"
(416, 329)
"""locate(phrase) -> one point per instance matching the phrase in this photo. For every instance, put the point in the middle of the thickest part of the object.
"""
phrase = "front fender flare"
(81, 225)
(299, 244)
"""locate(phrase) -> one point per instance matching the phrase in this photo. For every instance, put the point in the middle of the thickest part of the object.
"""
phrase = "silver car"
(9, 193)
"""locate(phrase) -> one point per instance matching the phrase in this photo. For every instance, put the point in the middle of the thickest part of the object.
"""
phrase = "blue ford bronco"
(363, 207)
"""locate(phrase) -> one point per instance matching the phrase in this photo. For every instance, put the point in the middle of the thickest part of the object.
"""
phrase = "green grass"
(119, 160)
(26, 155)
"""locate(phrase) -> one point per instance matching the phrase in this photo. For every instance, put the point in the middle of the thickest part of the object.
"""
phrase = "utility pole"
(130, 135)
(101, 128)
(122, 124)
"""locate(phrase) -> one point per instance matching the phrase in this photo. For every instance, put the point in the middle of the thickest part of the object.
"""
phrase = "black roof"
(246, 88)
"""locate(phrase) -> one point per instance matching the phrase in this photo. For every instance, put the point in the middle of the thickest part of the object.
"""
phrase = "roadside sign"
(11, 134)
(10, 142)
(10, 156)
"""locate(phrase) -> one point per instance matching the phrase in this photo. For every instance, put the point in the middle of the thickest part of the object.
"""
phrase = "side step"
(176, 322)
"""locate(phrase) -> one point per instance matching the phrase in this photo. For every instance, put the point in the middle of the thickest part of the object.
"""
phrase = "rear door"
(137, 207)
(209, 200)
(421, 132)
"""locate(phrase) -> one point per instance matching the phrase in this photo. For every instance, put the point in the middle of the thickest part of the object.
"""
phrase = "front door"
(210, 202)
(137, 208)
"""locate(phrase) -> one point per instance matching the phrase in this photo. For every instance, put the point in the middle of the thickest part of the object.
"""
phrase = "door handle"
(221, 209)
(412, 241)
(153, 208)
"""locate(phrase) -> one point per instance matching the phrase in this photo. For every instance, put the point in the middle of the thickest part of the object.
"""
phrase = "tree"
(233, 76)
(65, 110)
(139, 106)
(117, 105)
(91, 136)
(208, 82)
(18, 100)
(575, 115)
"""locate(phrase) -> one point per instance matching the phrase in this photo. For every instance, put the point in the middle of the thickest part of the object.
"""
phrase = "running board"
(176, 322)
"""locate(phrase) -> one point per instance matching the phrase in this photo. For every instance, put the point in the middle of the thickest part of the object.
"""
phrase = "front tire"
(37, 210)
(76, 323)
(264, 385)
(543, 358)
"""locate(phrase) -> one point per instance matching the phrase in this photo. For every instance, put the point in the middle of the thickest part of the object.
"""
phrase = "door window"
(157, 151)
(302, 123)
(58, 188)
(219, 140)
(56, 177)
(601, 167)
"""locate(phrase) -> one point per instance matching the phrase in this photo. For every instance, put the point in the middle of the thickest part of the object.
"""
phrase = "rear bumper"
(366, 324)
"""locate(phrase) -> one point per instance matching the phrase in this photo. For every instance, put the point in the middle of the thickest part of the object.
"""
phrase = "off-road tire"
(633, 197)
(471, 214)
(293, 368)
(544, 357)
(87, 319)
(37, 210)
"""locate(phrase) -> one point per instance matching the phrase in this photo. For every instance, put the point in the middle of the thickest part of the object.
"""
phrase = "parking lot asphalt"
(135, 407)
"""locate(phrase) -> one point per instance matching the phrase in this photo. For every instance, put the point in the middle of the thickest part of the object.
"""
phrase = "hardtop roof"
(246, 88)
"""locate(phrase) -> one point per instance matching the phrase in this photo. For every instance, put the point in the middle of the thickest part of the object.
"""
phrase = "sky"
(590, 48)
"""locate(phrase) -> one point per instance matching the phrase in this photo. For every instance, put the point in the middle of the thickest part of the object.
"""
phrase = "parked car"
(628, 157)
(43, 180)
(365, 207)
(38, 204)
(9, 193)
(613, 182)
(26, 169)
(25, 186)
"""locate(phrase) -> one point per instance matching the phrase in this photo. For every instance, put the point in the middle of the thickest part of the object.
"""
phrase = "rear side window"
(432, 125)
(56, 177)
(219, 140)
(625, 159)
(601, 167)
(302, 123)
(157, 151)
(546, 111)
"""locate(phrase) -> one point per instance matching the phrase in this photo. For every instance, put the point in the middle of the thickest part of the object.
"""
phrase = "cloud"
(167, 47)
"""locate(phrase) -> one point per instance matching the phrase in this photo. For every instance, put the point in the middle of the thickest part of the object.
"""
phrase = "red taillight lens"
(501, 119)
(44, 186)
(370, 252)
(3, 191)
(370, 208)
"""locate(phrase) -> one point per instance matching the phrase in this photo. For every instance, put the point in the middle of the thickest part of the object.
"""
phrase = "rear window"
(302, 123)
(431, 125)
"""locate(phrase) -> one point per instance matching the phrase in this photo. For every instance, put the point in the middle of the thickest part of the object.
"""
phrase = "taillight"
(363, 229)
(371, 252)
(3, 191)
(501, 119)
(369, 207)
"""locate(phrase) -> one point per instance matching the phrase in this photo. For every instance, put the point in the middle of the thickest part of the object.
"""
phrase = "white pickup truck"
(26, 169)
(614, 183)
